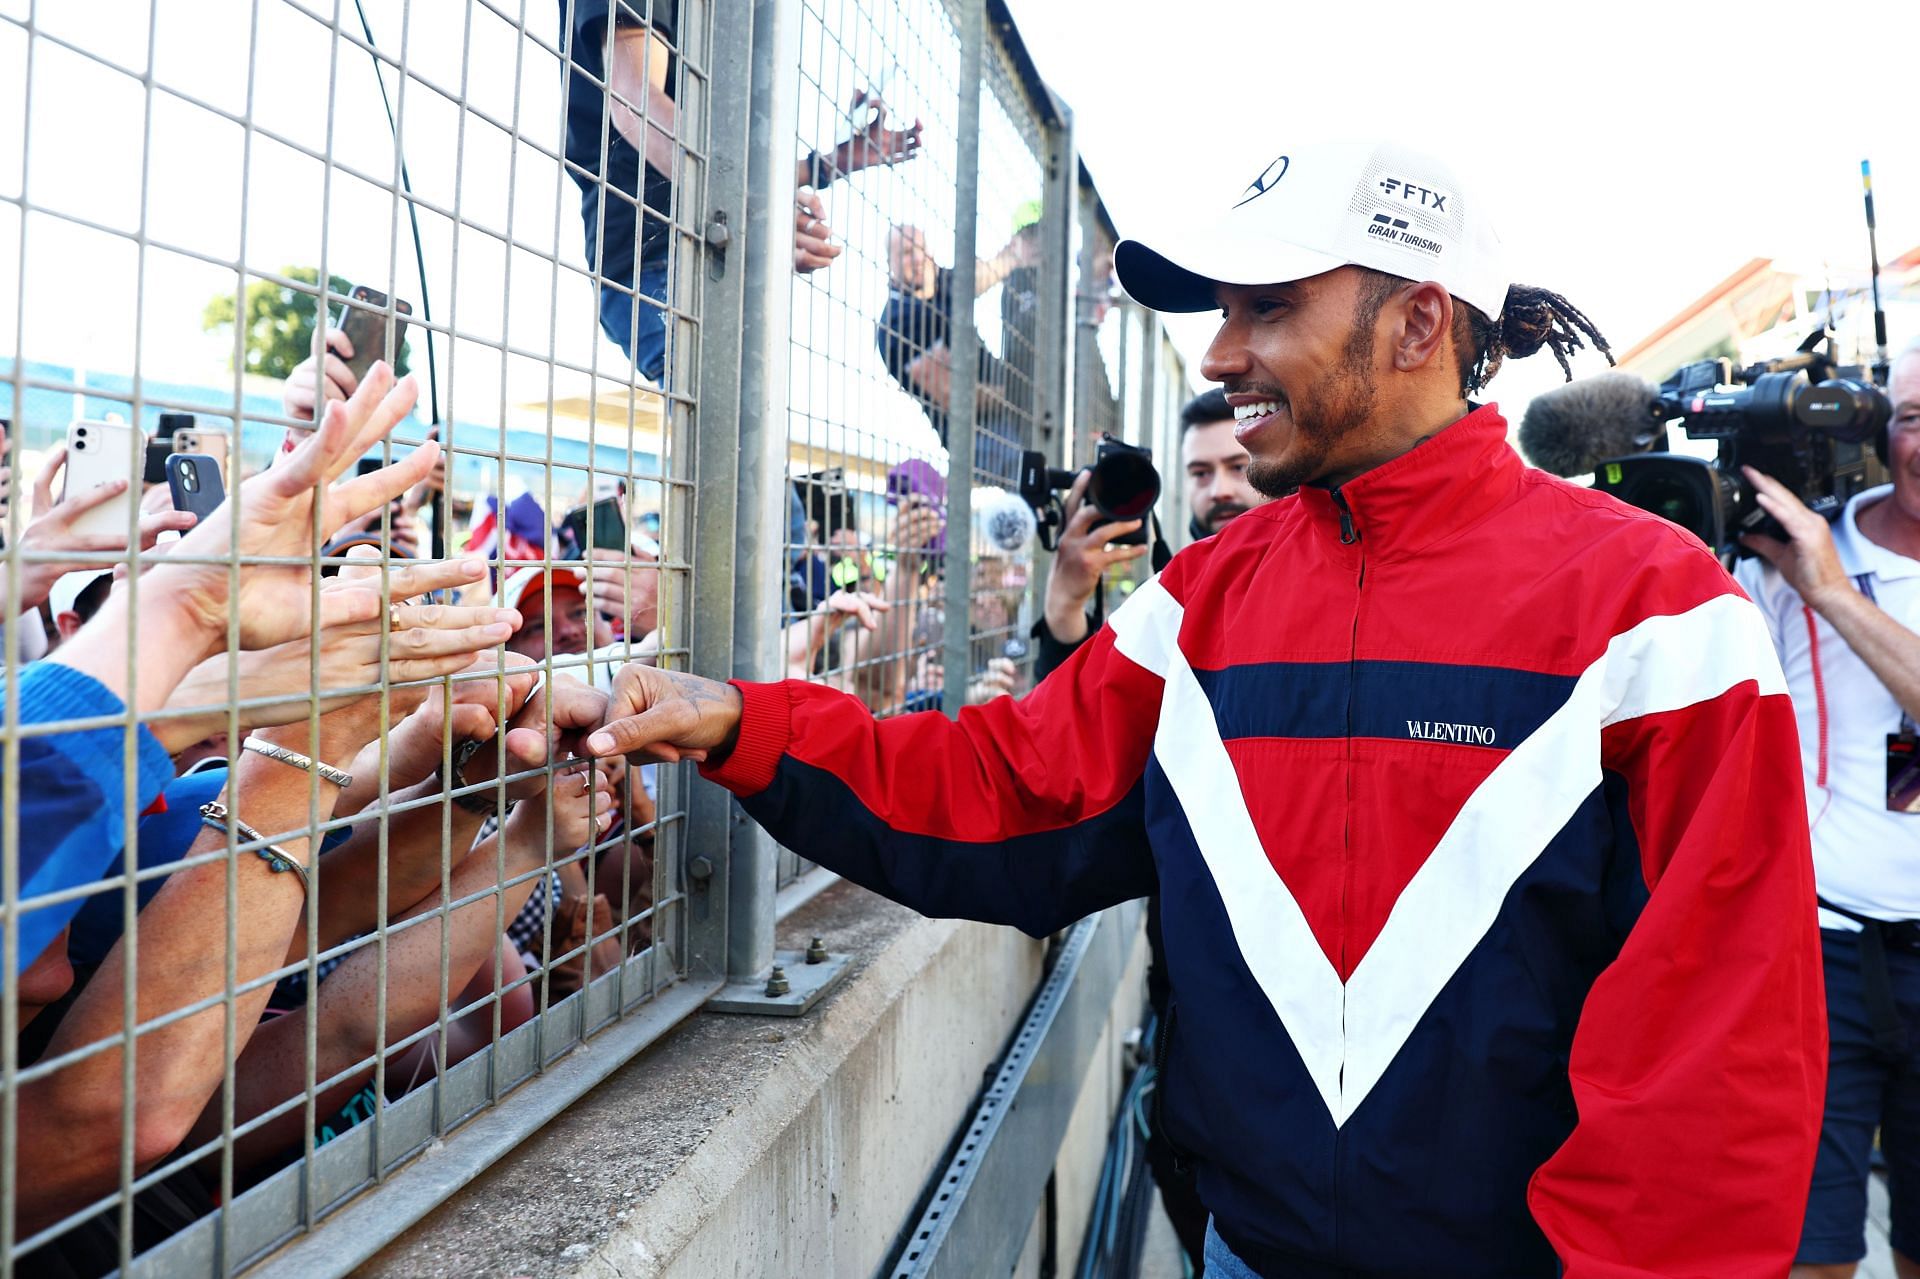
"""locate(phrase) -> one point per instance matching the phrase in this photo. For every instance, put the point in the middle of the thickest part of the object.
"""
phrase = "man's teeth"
(1241, 412)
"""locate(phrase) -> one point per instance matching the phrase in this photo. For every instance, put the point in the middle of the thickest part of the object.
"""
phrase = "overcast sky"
(1637, 152)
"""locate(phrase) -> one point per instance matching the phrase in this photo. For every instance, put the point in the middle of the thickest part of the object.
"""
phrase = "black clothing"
(1179, 1194)
(1019, 313)
(587, 117)
(1051, 652)
(909, 327)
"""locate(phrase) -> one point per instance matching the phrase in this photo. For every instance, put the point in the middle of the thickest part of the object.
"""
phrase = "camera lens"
(1124, 485)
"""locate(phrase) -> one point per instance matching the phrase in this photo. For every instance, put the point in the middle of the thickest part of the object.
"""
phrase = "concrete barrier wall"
(749, 1146)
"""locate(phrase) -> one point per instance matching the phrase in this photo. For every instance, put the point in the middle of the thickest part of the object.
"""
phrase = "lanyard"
(1865, 582)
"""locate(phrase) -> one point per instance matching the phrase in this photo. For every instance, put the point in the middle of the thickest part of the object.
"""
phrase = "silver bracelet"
(261, 746)
(217, 816)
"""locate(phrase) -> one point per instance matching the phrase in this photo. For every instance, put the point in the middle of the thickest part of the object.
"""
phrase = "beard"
(1220, 514)
(1334, 408)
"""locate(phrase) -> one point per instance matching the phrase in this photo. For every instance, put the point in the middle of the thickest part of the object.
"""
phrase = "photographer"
(912, 332)
(1215, 465)
(1217, 491)
(1843, 604)
(622, 79)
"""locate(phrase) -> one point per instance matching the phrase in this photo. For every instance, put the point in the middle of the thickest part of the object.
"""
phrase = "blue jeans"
(1221, 1261)
(638, 325)
(1868, 1090)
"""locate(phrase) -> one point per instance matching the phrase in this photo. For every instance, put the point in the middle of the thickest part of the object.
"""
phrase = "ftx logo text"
(1427, 199)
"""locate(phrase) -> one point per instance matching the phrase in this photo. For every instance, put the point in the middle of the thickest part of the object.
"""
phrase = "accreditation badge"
(1903, 772)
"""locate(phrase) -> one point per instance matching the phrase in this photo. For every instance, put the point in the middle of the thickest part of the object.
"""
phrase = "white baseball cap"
(67, 588)
(1307, 211)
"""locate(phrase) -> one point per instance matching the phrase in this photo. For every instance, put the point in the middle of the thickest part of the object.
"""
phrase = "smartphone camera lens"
(189, 479)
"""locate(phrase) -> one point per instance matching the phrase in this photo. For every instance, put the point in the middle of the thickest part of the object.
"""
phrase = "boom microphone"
(1571, 429)
(1007, 523)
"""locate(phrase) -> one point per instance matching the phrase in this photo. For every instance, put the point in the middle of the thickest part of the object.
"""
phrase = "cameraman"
(1843, 605)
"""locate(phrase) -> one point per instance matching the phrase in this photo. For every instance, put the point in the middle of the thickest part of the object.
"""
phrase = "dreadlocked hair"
(1532, 318)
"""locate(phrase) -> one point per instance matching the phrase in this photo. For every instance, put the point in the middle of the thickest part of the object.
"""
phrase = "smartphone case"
(99, 453)
(194, 480)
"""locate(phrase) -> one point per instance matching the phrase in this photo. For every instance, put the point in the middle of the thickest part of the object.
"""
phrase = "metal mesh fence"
(1008, 282)
(877, 162)
(1097, 303)
(238, 978)
(303, 873)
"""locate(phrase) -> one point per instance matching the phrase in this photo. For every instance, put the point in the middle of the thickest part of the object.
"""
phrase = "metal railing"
(669, 405)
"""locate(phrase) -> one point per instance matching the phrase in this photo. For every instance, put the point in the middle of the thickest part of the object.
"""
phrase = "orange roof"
(1712, 296)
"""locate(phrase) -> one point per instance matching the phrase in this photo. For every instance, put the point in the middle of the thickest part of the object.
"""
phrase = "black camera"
(161, 446)
(1124, 486)
(1803, 419)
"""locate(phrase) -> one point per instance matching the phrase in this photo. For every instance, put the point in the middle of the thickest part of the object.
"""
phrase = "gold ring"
(393, 617)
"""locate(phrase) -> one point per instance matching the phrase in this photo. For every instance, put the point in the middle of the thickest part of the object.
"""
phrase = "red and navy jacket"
(1473, 801)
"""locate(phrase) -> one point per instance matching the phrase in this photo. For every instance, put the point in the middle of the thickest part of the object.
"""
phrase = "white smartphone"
(98, 453)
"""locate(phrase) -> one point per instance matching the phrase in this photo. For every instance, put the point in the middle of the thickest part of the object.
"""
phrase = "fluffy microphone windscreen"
(1571, 429)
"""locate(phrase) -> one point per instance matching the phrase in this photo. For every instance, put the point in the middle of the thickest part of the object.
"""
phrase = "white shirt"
(1864, 858)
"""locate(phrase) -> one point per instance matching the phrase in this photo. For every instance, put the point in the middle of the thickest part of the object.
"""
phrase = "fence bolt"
(700, 868)
(777, 982)
(816, 952)
(718, 234)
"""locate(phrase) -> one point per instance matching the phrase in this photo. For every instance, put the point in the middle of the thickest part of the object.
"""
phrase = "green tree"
(278, 330)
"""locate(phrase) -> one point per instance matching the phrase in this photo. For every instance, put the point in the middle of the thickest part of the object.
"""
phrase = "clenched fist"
(658, 716)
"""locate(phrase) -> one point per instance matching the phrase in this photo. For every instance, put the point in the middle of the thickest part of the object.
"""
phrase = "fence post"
(964, 343)
(1056, 329)
(1149, 381)
(1090, 289)
(765, 240)
(1059, 288)
(711, 506)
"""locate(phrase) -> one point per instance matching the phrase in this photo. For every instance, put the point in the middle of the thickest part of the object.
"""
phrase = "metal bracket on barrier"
(798, 979)
(984, 1199)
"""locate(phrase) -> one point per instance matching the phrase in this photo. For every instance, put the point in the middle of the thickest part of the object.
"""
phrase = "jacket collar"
(1433, 490)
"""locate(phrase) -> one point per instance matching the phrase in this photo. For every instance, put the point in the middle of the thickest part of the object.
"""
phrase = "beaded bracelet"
(217, 816)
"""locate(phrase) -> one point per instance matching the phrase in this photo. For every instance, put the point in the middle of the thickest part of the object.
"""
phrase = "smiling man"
(1216, 464)
(1471, 797)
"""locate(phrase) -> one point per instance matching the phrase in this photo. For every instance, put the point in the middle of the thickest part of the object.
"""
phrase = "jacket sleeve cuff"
(766, 722)
(50, 691)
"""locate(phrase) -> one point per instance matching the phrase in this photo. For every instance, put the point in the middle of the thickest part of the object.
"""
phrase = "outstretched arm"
(641, 108)
(1020, 812)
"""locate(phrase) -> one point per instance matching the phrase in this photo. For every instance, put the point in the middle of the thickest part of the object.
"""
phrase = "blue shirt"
(72, 794)
(163, 837)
